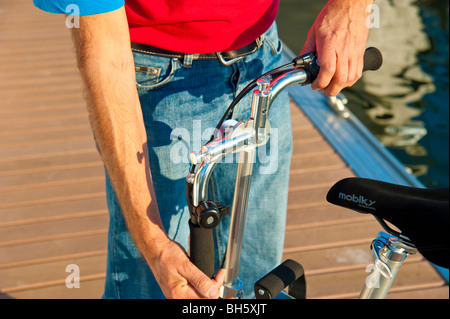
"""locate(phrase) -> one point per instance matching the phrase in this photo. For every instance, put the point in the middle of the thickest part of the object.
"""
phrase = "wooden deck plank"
(55, 208)
(52, 200)
(13, 198)
(44, 161)
(76, 242)
(19, 234)
(30, 177)
(81, 144)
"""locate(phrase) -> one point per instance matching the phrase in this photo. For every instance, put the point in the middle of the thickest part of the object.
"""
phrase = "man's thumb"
(205, 286)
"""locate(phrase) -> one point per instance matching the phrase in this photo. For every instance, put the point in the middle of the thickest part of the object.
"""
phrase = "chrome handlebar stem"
(241, 136)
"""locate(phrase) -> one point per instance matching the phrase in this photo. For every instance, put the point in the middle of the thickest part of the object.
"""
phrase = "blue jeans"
(181, 104)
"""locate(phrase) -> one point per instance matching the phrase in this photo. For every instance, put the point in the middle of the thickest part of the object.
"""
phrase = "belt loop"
(187, 60)
(260, 41)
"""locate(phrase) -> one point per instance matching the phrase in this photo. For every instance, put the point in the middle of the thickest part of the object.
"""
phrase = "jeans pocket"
(154, 76)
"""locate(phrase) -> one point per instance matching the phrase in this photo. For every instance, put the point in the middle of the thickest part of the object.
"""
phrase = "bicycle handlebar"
(373, 59)
(302, 70)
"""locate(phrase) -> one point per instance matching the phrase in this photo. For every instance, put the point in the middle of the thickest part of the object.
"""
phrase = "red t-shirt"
(199, 26)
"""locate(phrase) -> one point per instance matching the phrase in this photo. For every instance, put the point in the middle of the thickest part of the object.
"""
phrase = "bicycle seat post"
(388, 253)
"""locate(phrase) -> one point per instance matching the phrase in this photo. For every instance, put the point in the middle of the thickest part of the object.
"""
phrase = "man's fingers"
(220, 276)
(327, 63)
(358, 69)
(205, 287)
(355, 67)
(345, 72)
(179, 278)
(209, 288)
(340, 77)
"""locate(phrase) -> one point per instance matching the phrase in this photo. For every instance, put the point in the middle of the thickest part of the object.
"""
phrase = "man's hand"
(339, 36)
(179, 278)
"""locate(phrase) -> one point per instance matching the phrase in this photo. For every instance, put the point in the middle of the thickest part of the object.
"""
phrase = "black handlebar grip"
(202, 249)
(373, 59)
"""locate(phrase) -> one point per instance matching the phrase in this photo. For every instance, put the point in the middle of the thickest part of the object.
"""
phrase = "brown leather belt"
(227, 58)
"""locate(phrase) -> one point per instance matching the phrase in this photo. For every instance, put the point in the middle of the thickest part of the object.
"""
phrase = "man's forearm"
(106, 64)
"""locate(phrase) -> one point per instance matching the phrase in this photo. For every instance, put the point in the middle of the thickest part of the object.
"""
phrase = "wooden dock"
(52, 199)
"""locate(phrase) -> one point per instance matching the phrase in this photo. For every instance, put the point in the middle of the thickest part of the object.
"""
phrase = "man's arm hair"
(106, 64)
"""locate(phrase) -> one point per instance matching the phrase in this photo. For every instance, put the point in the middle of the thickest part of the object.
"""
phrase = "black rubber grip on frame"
(289, 273)
(202, 249)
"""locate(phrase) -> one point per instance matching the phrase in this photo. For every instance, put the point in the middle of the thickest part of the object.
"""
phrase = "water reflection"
(393, 102)
(401, 80)
(405, 104)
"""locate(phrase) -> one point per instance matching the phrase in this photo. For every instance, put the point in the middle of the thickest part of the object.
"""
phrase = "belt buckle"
(258, 41)
(229, 62)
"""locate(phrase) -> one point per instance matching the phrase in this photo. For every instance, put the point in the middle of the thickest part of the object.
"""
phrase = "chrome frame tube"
(232, 287)
(201, 181)
(262, 100)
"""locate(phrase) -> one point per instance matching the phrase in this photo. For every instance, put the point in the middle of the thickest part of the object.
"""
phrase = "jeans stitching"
(173, 69)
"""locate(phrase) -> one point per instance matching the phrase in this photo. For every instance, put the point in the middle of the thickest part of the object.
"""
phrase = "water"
(406, 103)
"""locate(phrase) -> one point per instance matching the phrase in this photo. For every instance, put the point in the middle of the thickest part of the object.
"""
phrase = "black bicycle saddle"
(420, 214)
